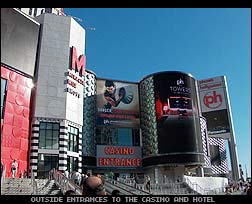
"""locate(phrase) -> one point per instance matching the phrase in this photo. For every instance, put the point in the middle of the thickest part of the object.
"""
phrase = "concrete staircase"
(23, 186)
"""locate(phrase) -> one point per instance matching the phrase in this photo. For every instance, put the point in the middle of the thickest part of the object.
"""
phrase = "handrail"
(215, 191)
(65, 183)
(155, 188)
(110, 182)
(202, 191)
(194, 186)
(127, 185)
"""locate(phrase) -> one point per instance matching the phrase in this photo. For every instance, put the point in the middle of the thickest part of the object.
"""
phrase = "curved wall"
(89, 116)
(170, 119)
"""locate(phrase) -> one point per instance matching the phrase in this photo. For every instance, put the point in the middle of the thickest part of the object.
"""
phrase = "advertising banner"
(177, 113)
(117, 104)
(19, 40)
(118, 156)
(214, 106)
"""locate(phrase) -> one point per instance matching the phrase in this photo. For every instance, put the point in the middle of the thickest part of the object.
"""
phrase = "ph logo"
(213, 100)
(180, 82)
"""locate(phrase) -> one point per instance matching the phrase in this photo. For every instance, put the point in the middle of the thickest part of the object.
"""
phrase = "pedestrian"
(83, 177)
(2, 168)
(115, 192)
(51, 174)
(66, 173)
(164, 178)
(93, 186)
(20, 174)
(111, 174)
(76, 177)
(25, 174)
(148, 183)
(70, 192)
(248, 192)
(14, 167)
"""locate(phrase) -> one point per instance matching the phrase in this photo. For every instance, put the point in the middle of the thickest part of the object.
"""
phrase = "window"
(72, 164)
(106, 136)
(48, 10)
(48, 135)
(136, 137)
(42, 11)
(124, 137)
(73, 138)
(3, 95)
(46, 162)
(30, 11)
(118, 136)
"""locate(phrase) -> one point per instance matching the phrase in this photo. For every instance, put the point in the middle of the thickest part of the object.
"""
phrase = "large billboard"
(118, 156)
(177, 113)
(117, 104)
(214, 106)
(19, 40)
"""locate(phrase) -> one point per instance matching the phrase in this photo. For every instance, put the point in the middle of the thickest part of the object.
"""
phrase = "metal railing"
(65, 183)
(215, 191)
(203, 191)
(166, 188)
(126, 186)
(194, 186)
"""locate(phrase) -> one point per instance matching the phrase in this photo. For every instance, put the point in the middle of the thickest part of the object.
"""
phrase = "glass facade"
(72, 163)
(46, 162)
(117, 136)
(48, 135)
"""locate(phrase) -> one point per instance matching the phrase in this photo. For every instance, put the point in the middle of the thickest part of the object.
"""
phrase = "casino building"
(55, 113)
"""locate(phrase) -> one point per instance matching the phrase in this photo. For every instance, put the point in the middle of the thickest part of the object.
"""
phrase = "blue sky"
(131, 43)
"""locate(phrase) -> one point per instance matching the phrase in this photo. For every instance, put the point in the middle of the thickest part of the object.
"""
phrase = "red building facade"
(15, 126)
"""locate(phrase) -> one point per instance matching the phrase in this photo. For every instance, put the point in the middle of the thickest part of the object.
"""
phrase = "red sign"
(118, 156)
(213, 100)
(128, 162)
(78, 64)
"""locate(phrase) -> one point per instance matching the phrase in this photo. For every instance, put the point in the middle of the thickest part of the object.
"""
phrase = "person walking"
(148, 183)
(66, 173)
(14, 167)
(25, 174)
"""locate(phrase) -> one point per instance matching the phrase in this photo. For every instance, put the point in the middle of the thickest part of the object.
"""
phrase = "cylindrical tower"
(170, 121)
(89, 117)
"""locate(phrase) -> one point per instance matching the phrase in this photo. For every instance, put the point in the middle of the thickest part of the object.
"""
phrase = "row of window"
(35, 10)
(49, 136)
(117, 136)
